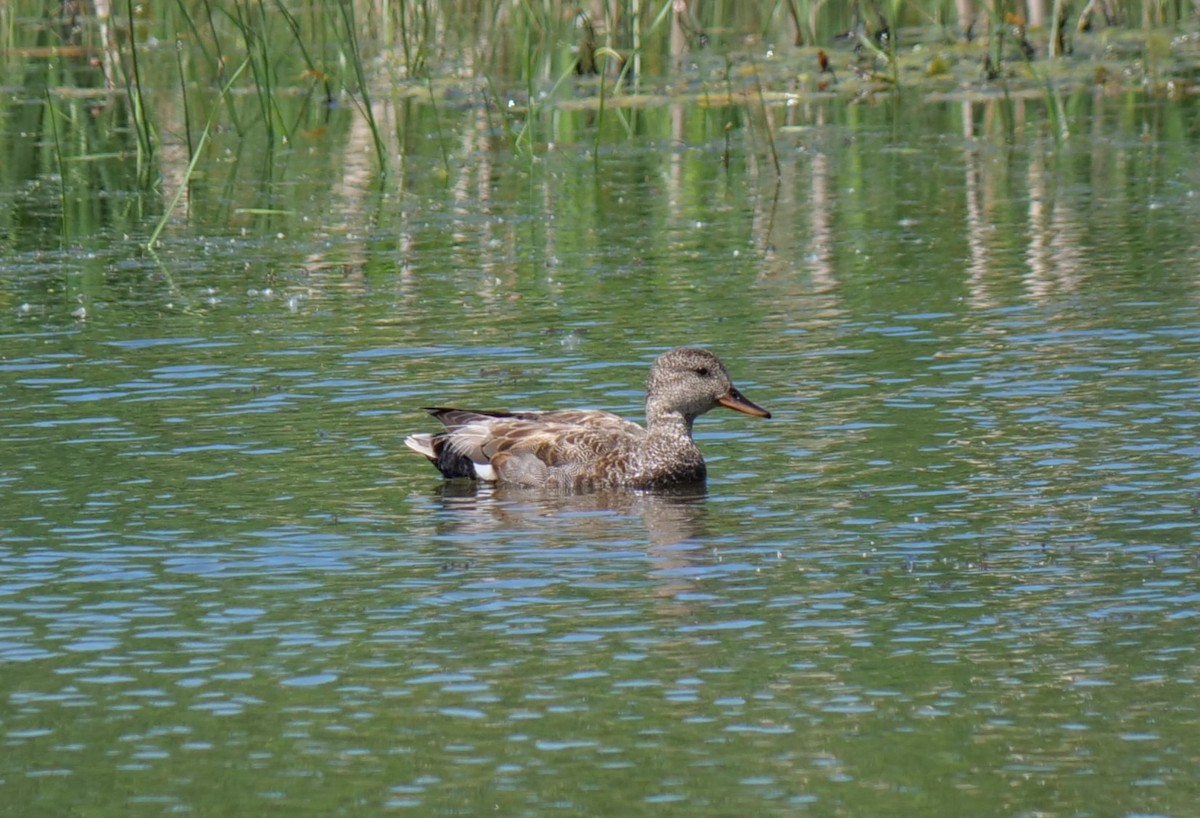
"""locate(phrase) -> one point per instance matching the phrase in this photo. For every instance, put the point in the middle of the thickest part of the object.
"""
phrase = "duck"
(588, 449)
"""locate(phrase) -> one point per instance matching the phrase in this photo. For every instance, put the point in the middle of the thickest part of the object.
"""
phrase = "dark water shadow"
(669, 517)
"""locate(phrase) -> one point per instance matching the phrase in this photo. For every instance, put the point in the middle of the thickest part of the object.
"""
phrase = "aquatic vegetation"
(148, 98)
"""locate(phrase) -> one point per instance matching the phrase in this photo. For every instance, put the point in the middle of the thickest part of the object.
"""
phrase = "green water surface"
(955, 574)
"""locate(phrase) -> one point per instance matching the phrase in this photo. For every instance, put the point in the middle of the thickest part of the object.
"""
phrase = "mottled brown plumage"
(579, 449)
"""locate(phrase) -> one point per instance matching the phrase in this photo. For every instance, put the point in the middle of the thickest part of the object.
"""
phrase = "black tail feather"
(449, 462)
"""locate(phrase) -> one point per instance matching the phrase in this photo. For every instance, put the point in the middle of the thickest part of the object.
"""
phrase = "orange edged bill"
(736, 401)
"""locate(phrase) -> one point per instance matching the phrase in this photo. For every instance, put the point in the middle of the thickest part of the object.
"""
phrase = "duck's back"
(565, 449)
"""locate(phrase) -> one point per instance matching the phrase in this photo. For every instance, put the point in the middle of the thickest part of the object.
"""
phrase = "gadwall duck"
(587, 449)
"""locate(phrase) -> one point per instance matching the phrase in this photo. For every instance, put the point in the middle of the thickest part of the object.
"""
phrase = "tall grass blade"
(437, 125)
(185, 183)
(219, 63)
(766, 115)
(256, 54)
(133, 85)
(313, 70)
(364, 105)
(183, 96)
(52, 115)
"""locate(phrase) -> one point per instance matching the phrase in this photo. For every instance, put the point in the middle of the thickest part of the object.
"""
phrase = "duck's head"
(691, 381)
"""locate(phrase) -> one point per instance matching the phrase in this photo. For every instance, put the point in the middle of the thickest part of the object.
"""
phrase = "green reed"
(272, 71)
(260, 57)
(133, 85)
(216, 58)
(766, 119)
(183, 96)
(414, 20)
(152, 242)
(351, 44)
(52, 117)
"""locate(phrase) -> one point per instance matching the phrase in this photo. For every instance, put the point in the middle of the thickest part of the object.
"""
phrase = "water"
(956, 574)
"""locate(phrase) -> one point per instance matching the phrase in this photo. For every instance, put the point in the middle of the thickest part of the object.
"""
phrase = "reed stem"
(348, 23)
(191, 168)
(52, 115)
(133, 86)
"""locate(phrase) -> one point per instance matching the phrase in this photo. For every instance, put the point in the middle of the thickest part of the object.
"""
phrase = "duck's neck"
(668, 423)
(670, 455)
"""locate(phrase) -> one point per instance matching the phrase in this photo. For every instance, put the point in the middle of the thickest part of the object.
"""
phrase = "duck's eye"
(702, 371)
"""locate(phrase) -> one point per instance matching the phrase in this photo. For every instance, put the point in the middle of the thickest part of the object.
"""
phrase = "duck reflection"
(668, 516)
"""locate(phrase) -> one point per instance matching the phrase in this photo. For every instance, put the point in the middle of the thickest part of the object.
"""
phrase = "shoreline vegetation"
(119, 96)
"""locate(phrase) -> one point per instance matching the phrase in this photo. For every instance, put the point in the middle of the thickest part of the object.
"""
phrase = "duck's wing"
(529, 448)
(594, 419)
(565, 454)
(454, 419)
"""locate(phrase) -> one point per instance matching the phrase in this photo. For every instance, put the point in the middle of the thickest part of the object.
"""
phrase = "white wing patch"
(421, 443)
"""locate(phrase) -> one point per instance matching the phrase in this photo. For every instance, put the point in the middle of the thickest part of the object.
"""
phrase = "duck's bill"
(734, 400)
